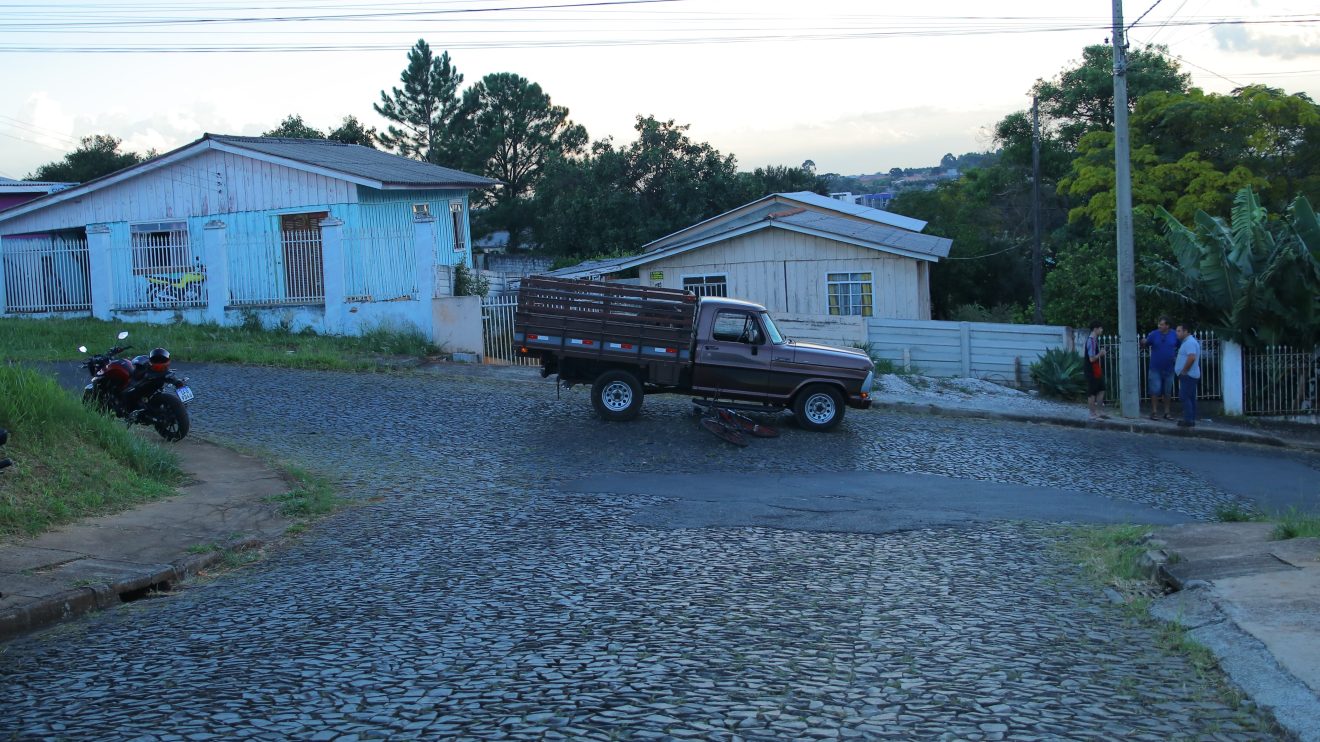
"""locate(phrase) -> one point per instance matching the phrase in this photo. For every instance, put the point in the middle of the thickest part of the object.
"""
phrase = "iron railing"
(158, 270)
(379, 266)
(1211, 378)
(277, 268)
(49, 273)
(1279, 380)
(497, 331)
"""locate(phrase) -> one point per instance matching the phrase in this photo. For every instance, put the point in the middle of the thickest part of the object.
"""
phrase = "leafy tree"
(1192, 151)
(779, 179)
(1082, 284)
(351, 131)
(293, 127)
(1253, 279)
(423, 108)
(96, 155)
(615, 199)
(1081, 98)
(508, 129)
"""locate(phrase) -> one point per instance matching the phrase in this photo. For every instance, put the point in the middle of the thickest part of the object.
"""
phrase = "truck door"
(735, 358)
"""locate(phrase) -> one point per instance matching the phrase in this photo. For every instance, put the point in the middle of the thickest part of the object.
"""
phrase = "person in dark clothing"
(1095, 373)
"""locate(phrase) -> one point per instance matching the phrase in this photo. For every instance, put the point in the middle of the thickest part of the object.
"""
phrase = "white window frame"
(456, 222)
(850, 279)
(706, 282)
(149, 240)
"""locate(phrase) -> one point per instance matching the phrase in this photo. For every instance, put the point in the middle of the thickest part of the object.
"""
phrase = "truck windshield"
(771, 330)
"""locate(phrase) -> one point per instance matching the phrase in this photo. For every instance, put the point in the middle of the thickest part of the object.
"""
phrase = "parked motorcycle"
(170, 290)
(136, 391)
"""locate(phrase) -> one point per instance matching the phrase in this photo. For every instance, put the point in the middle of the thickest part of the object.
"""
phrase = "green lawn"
(58, 340)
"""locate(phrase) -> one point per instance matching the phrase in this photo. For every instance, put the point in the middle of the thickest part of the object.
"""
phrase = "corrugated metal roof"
(876, 234)
(879, 216)
(359, 161)
(32, 186)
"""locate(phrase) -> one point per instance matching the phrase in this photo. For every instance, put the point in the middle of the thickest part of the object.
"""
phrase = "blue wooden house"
(298, 232)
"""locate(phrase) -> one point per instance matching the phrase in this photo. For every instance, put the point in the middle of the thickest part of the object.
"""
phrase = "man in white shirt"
(1187, 364)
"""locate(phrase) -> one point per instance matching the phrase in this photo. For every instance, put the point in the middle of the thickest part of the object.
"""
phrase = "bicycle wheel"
(746, 424)
(723, 431)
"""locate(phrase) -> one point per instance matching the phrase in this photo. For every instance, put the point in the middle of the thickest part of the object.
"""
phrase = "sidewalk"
(1252, 601)
(101, 562)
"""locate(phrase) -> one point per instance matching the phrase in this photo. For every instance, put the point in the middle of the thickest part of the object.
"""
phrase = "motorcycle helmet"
(160, 360)
(119, 371)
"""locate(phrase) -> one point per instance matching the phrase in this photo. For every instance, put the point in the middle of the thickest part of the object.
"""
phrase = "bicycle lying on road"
(733, 426)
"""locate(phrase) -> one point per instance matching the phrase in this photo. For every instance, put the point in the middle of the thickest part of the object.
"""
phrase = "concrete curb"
(53, 609)
(1230, 436)
(1244, 659)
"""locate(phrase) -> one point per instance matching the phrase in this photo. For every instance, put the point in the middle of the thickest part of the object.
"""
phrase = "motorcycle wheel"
(95, 399)
(170, 416)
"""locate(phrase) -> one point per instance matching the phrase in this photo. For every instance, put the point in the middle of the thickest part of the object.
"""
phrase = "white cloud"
(1239, 39)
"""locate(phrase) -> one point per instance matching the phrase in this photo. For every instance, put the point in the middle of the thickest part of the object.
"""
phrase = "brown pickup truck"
(627, 341)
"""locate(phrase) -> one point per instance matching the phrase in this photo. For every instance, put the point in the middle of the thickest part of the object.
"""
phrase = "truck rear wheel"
(818, 408)
(617, 395)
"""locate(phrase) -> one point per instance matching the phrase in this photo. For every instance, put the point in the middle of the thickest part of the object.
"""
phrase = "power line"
(1143, 15)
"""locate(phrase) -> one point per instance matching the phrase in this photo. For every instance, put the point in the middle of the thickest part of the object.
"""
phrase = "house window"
(850, 294)
(456, 218)
(304, 267)
(707, 285)
(160, 247)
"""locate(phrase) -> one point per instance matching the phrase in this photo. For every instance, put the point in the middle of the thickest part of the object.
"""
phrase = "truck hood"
(824, 355)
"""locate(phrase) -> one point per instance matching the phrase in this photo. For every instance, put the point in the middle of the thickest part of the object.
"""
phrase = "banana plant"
(1252, 279)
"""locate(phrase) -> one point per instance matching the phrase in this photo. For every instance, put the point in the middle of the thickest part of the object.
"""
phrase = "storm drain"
(154, 590)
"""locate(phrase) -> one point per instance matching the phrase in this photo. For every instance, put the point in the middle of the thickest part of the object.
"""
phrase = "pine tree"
(423, 108)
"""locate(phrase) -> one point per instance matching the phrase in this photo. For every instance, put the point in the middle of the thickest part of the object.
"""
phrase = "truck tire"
(818, 407)
(617, 395)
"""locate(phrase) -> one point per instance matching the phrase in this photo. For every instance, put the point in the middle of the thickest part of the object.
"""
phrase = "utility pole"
(1036, 267)
(1128, 367)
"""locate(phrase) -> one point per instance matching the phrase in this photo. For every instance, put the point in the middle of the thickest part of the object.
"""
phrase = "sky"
(856, 86)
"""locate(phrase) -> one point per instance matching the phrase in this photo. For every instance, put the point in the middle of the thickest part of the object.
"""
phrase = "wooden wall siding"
(786, 272)
(998, 352)
(211, 184)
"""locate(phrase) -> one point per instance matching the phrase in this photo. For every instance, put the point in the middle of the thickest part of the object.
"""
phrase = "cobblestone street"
(470, 592)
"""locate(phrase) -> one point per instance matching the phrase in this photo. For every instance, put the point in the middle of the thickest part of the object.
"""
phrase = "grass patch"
(311, 496)
(1293, 523)
(1236, 513)
(1111, 556)
(69, 462)
(58, 340)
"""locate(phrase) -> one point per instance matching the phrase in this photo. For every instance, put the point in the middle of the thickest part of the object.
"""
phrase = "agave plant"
(1058, 373)
(1255, 281)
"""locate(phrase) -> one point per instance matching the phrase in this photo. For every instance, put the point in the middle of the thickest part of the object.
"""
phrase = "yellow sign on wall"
(657, 275)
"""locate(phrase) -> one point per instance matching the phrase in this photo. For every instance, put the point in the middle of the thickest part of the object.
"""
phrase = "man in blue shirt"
(1163, 344)
(1188, 366)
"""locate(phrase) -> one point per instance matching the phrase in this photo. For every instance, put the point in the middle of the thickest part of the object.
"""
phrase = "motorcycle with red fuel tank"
(136, 391)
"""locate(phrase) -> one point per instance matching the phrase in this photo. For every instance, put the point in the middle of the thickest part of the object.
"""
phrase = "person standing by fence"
(1188, 365)
(1163, 344)
(1095, 373)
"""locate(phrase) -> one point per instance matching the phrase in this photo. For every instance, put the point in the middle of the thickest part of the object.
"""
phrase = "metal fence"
(277, 268)
(47, 274)
(379, 266)
(1278, 380)
(497, 330)
(1211, 387)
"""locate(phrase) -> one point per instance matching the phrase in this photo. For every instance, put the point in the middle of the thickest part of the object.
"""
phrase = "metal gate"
(497, 330)
(49, 273)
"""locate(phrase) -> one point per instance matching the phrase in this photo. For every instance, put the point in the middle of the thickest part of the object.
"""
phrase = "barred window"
(160, 247)
(716, 285)
(456, 218)
(850, 294)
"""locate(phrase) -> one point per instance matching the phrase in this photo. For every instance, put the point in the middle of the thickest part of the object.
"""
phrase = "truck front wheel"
(617, 395)
(818, 408)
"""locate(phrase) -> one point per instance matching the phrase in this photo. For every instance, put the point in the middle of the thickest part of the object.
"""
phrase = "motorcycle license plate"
(185, 394)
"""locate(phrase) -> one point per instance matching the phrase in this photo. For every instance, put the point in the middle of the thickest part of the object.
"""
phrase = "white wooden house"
(799, 254)
(301, 232)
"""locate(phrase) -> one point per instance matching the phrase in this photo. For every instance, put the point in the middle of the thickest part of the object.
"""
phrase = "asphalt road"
(513, 568)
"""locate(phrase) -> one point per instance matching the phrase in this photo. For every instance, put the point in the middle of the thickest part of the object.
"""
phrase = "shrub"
(467, 283)
(1058, 373)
